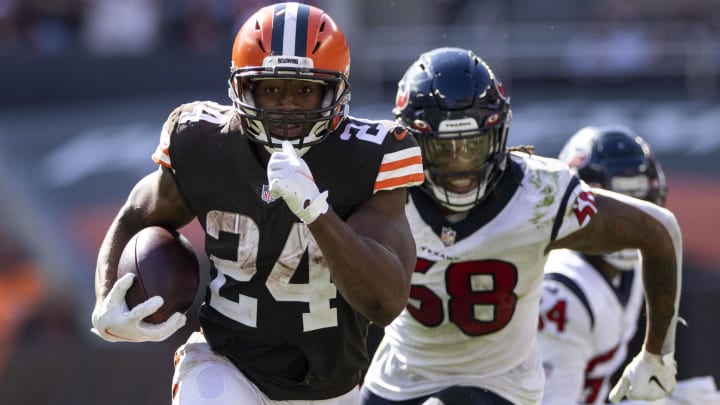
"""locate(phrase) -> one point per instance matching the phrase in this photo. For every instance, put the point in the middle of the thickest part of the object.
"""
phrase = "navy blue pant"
(455, 395)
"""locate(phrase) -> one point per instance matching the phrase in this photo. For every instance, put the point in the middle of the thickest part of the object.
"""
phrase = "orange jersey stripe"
(413, 179)
(390, 166)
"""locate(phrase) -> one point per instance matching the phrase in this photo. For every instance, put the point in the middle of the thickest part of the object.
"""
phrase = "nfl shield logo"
(447, 235)
(265, 194)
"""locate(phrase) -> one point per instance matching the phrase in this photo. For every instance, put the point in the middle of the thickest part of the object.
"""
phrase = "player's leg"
(205, 378)
(202, 377)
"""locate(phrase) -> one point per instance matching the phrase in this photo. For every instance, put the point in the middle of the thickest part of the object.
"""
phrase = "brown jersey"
(271, 306)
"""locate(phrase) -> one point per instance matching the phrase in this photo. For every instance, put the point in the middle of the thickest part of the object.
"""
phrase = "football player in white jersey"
(590, 304)
(484, 222)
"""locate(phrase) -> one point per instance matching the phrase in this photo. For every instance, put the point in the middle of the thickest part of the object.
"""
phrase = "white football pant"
(205, 378)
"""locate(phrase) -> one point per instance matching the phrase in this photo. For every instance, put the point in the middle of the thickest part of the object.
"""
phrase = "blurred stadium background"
(86, 84)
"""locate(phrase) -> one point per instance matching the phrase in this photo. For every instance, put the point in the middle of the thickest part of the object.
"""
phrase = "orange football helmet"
(291, 41)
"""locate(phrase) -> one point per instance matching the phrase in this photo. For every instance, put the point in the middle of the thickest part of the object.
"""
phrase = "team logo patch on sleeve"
(585, 207)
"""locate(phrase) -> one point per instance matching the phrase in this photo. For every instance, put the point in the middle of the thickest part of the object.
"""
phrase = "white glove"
(648, 377)
(113, 321)
(290, 179)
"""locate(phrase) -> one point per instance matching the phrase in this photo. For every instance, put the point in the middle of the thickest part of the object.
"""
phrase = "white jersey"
(585, 326)
(472, 315)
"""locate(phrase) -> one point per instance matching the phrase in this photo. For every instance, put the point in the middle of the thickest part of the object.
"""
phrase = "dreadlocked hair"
(529, 149)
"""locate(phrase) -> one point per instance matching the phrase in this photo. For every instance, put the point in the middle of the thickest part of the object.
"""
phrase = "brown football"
(164, 264)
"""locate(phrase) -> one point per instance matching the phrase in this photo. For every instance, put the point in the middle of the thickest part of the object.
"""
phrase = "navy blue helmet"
(456, 107)
(615, 158)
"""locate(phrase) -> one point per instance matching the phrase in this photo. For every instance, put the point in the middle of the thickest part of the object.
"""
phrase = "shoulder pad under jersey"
(555, 179)
(186, 116)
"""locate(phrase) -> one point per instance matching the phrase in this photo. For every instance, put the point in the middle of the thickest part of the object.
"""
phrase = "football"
(164, 264)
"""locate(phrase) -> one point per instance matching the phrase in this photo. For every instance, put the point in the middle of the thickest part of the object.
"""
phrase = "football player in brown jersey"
(303, 210)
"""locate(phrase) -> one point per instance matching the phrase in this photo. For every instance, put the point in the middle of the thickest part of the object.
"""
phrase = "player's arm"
(154, 200)
(371, 255)
(624, 222)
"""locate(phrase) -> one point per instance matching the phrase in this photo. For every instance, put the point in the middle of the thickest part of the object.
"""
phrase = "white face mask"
(625, 259)
(458, 202)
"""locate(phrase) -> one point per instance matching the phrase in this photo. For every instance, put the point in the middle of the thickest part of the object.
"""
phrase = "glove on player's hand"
(290, 179)
(648, 377)
(113, 321)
